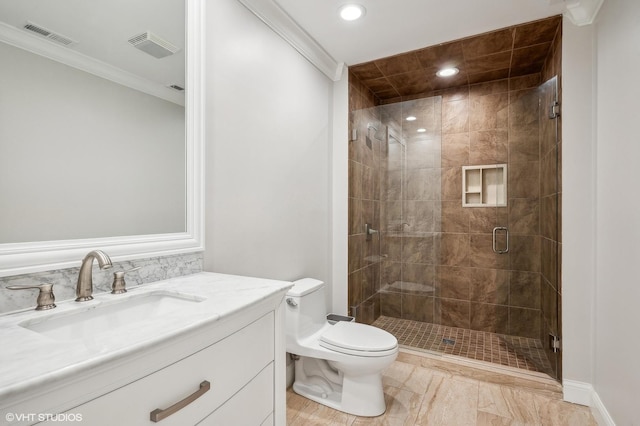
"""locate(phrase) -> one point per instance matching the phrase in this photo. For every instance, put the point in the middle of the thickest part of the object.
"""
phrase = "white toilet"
(338, 365)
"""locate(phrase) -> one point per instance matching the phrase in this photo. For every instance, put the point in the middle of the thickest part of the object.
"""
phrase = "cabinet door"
(227, 365)
(252, 405)
(268, 421)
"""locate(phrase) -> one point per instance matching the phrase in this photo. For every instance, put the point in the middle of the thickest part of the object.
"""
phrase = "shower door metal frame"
(553, 108)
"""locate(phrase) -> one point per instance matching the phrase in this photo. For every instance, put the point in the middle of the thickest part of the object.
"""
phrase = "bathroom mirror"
(149, 168)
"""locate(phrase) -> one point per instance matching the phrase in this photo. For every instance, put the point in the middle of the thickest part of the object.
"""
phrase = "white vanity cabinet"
(237, 368)
(225, 366)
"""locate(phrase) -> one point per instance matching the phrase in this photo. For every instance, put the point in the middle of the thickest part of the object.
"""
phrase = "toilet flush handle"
(291, 302)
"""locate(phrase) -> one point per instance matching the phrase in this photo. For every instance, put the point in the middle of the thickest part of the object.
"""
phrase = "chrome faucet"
(84, 289)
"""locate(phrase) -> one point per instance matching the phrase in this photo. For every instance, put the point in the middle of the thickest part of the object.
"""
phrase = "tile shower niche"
(484, 186)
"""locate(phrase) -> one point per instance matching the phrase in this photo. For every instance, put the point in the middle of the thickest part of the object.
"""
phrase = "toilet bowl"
(337, 365)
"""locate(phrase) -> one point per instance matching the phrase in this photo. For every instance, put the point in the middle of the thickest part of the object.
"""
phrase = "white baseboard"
(584, 394)
(600, 411)
(578, 392)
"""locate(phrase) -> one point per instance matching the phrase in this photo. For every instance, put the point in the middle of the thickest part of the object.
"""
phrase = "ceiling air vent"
(176, 87)
(48, 34)
(153, 45)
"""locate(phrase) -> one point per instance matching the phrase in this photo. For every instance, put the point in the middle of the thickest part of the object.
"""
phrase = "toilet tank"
(306, 311)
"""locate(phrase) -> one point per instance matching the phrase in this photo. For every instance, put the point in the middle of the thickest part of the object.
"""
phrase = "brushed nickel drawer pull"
(158, 414)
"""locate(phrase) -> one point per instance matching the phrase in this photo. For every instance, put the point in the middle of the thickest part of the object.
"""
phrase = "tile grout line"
(513, 351)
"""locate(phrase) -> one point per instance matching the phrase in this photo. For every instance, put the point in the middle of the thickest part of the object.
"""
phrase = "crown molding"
(279, 21)
(72, 58)
(582, 12)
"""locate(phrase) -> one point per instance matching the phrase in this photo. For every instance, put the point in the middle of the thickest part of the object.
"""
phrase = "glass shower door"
(411, 216)
(469, 237)
(550, 235)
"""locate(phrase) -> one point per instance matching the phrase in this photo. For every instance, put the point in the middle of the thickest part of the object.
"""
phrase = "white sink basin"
(89, 324)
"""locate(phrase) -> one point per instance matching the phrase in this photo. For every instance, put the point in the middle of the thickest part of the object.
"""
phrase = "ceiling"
(396, 48)
(389, 28)
(102, 29)
(509, 52)
(393, 27)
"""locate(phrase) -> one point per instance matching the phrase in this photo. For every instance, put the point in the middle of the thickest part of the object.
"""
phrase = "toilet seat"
(358, 339)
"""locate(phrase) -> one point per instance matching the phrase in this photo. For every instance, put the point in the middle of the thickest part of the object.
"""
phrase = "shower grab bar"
(495, 232)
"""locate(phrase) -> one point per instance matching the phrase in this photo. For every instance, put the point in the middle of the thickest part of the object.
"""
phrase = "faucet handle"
(45, 299)
(119, 285)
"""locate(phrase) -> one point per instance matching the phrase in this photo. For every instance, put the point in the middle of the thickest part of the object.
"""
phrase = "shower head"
(380, 134)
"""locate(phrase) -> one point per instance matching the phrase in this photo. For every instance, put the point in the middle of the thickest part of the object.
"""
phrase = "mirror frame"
(23, 258)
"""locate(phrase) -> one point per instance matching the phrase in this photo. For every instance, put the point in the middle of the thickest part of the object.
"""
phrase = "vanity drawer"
(253, 405)
(227, 365)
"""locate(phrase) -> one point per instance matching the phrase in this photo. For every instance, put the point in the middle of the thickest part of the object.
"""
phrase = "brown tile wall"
(508, 52)
(364, 204)
(440, 267)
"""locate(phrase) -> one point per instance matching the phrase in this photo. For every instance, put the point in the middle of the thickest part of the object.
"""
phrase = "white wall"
(268, 152)
(617, 345)
(340, 194)
(578, 203)
(75, 146)
(601, 214)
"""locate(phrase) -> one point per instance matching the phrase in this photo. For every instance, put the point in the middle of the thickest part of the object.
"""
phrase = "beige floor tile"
(449, 401)
(413, 378)
(397, 374)
(402, 406)
(488, 419)
(485, 372)
(507, 402)
(419, 391)
(369, 421)
(302, 411)
(320, 415)
(295, 404)
(560, 413)
(419, 380)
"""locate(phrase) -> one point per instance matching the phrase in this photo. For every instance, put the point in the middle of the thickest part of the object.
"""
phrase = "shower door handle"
(495, 233)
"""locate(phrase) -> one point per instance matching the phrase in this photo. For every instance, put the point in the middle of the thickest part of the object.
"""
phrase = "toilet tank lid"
(304, 286)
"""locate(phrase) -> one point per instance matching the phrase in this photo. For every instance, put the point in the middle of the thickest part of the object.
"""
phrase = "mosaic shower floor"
(512, 351)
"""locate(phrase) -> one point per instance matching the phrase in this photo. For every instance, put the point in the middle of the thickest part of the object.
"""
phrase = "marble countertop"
(30, 358)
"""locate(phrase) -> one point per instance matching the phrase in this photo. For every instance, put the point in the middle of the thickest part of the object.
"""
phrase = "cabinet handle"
(158, 414)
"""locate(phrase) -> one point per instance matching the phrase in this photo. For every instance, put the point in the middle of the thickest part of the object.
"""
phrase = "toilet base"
(360, 395)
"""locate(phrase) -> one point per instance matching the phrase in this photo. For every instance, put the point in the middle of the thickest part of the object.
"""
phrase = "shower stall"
(453, 223)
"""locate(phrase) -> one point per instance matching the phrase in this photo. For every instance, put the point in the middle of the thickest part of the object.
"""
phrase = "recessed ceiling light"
(351, 12)
(447, 72)
(421, 130)
(410, 118)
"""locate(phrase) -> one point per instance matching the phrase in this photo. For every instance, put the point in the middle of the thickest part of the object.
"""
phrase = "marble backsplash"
(64, 280)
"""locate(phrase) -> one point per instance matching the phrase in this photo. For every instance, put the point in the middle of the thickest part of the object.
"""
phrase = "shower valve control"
(369, 231)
